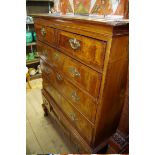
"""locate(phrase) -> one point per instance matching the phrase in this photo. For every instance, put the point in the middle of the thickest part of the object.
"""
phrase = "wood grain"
(90, 51)
(32, 144)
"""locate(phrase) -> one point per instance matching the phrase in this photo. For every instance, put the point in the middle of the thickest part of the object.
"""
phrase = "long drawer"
(81, 75)
(81, 101)
(88, 50)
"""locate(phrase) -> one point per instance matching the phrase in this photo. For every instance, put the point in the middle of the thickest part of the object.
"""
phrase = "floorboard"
(32, 143)
(42, 135)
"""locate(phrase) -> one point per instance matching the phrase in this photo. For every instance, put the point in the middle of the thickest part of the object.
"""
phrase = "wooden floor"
(42, 134)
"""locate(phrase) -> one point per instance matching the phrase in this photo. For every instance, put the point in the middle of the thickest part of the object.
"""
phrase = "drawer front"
(90, 51)
(83, 126)
(84, 103)
(45, 34)
(53, 77)
(54, 58)
(83, 76)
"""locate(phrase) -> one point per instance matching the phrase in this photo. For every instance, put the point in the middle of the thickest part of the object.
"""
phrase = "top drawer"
(45, 34)
(88, 50)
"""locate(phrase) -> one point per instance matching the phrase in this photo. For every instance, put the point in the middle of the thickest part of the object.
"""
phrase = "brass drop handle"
(56, 56)
(75, 97)
(74, 72)
(59, 77)
(43, 32)
(73, 117)
(74, 43)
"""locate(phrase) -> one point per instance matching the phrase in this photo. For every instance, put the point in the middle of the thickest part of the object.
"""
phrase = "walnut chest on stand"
(84, 64)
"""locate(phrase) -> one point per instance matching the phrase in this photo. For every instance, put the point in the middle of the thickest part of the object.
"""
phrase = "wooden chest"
(84, 66)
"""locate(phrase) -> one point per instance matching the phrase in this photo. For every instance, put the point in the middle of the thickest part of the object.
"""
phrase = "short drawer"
(88, 50)
(45, 34)
(84, 103)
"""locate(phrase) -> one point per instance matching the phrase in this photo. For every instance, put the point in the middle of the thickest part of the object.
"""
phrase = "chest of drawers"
(84, 66)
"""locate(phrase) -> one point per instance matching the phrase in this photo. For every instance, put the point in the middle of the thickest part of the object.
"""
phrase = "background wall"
(100, 7)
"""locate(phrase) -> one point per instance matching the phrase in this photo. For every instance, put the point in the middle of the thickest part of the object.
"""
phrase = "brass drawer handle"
(74, 72)
(56, 56)
(43, 32)
(74, 43)
(73, 117)
(59, 77)
(75, 97)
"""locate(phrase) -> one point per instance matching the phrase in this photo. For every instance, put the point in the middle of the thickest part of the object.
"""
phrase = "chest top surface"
(97, 20)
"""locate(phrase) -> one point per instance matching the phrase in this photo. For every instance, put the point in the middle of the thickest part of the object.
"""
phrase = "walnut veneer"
(84, 68)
